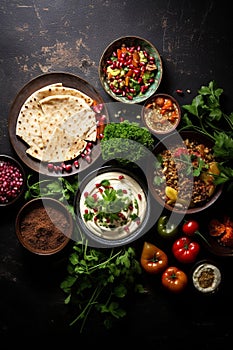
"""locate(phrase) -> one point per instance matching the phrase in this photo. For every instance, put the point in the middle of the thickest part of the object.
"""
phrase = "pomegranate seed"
(88, 159)
(68, 168)
(179, 92)
(76, 164)
(50, 166)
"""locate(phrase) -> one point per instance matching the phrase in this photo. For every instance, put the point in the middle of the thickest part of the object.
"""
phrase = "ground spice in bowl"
(44, 226)
(206, 277)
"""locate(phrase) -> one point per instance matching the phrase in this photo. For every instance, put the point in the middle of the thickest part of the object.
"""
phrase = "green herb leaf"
(100, 279)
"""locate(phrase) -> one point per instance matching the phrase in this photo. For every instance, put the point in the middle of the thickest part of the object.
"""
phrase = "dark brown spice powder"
(44, 228)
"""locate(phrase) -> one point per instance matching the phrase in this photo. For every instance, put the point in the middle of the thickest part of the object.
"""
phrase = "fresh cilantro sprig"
(99, 280)
(205, 113)
(59, 188)
(190, 169)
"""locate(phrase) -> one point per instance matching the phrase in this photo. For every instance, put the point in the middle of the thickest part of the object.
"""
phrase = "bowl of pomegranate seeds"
(12, 180)
(130, 69)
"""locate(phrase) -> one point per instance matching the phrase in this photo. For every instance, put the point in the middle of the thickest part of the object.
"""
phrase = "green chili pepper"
(166, 229)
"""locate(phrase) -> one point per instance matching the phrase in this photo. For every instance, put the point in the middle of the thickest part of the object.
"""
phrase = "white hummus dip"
(113, 205)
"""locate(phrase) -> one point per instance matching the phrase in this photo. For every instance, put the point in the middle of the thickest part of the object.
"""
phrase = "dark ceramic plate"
(131, 41)
(68, 80)
(96, 234)
(169, 141)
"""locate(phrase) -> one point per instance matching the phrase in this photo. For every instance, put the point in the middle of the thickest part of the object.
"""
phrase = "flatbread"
(63, 147)
(82, 124)
(56, 117)
(28, 121)
(57, 109)
(63, 90)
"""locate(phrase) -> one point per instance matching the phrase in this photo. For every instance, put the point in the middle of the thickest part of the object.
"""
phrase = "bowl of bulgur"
(182, 176)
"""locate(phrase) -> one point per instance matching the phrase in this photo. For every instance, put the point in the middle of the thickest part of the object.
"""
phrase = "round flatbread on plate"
(52, 119)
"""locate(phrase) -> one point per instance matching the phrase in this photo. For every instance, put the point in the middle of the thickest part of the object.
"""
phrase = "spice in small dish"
(161, 113)
(206, 277)
(44, 226)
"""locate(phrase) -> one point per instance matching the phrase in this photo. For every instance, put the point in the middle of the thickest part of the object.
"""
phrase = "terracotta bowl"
(168, 142)
(111, 50)
(161, 114)
(44, 226)
(12, 181)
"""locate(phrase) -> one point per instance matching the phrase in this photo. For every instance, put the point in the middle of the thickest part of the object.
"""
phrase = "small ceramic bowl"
(12, 180)
(162, 178)
(161, 114)
(206, 277)
(44, 226)
(124, 65)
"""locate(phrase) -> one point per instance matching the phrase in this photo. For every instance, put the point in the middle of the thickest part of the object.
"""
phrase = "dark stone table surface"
(194, 39)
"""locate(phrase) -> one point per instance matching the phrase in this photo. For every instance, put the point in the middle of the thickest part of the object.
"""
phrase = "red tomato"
(174, 279)
(190, 227)
(185, 250)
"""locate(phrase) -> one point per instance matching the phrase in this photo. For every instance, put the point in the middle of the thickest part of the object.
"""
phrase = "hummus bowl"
(112, 207)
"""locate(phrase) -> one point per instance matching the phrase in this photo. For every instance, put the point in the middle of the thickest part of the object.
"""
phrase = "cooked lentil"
(177, 170)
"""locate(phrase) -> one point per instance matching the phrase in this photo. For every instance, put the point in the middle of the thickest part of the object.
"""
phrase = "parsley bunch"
(126, 141)
(99, 280)
(205, 114)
